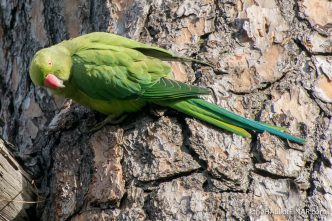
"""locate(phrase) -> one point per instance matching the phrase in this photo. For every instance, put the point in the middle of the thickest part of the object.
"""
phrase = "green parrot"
(116, 75)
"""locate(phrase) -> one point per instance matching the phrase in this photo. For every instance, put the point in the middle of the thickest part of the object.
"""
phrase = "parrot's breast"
(113, 106)
(116, 107)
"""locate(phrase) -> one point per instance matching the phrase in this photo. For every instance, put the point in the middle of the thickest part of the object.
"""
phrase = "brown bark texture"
(17, 193)
(273, 63)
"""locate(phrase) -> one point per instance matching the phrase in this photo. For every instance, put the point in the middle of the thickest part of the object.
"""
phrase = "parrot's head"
(50, 67)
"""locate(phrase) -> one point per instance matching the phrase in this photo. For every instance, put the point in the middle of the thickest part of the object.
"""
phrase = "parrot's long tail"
(227, 120)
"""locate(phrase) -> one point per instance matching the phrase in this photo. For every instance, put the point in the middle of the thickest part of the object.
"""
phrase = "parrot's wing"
(107, 39)
(120, 73)
(166, 55)
(166, 89)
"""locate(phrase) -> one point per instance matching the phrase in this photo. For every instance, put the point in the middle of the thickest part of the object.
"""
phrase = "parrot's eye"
(50, 63)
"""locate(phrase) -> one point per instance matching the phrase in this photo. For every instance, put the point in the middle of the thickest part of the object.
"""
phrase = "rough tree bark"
(17, 195)
(273, 63)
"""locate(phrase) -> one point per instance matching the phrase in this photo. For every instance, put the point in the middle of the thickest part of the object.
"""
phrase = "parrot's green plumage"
(116, 75)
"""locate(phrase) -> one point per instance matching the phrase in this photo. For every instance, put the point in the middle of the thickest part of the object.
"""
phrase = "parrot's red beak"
(53, 82)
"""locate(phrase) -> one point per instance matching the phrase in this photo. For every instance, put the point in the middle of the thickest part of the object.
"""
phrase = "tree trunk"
(272, 62)
(17, 194)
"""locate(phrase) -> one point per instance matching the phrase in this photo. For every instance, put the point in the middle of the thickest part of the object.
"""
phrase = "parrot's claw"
(110, 119)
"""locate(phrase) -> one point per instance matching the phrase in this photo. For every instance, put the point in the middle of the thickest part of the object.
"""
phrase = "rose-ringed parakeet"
(116, 75)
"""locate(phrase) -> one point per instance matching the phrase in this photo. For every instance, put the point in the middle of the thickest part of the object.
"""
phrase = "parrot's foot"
(157, 112)
(110, 119)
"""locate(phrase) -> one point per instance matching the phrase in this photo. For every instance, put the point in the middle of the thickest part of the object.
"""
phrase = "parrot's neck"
(71, 91)
(72, 45)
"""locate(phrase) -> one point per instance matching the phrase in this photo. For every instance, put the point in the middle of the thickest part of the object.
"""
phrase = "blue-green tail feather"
(216, 115)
